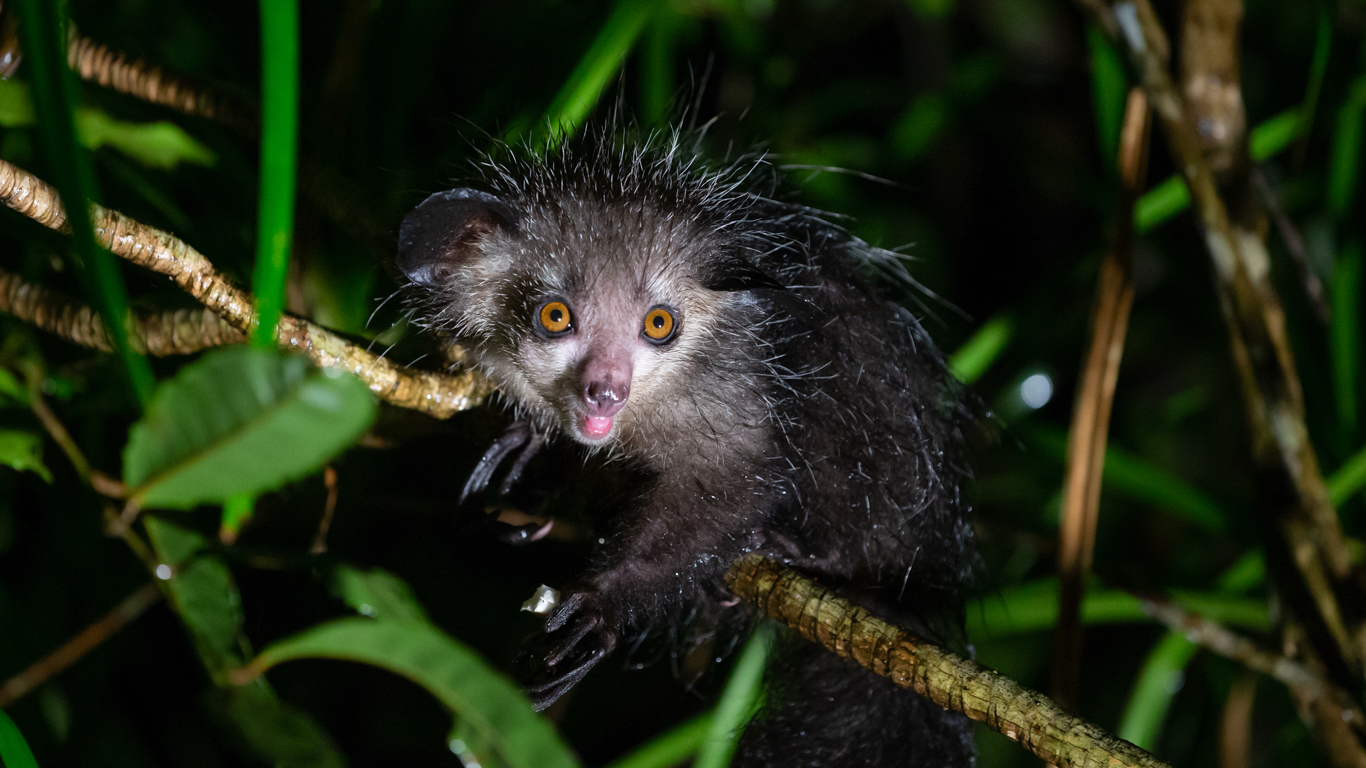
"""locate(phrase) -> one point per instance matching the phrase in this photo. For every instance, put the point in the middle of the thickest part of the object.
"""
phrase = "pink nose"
(606, 385)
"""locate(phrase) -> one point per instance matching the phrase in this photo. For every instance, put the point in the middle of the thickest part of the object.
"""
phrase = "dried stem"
(329, 509)
(1235, 725)
(1040, 725)
(437, 395)
(132, 607)
(1091, 416)
(1261, 350)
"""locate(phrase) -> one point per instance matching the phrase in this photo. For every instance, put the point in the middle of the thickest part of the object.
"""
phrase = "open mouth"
(596, 427)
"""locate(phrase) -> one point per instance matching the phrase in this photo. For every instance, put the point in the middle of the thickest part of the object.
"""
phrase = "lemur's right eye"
(555, 318)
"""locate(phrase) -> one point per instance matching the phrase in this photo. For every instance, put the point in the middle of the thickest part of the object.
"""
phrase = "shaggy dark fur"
(796, 413)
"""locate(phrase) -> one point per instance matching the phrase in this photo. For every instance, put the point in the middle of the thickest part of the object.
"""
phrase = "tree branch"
(40, 671)
(173, 332)
(435, 394)
(1003, 705)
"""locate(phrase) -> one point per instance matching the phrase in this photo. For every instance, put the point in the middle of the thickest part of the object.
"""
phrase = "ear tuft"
(440, 234)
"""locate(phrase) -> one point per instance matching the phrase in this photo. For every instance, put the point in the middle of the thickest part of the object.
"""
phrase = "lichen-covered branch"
(1030, 718)
(435, 394)
(171, 332)
(99, 64)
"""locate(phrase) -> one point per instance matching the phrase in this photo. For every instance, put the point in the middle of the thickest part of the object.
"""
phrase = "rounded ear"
(440, 234)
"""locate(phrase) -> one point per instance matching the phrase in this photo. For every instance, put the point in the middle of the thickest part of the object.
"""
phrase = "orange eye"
(659, 325)
(555, 317)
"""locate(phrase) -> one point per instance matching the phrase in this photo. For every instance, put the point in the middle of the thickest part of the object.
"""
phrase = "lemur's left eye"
(659, 325)
(555, 317)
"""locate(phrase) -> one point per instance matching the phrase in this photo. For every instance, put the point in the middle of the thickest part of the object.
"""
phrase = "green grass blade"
(14, 751)
(1033, 607)
(54, 94)
(597, 67)
(1350, 478)
(1345, 337)
(1140, 479)
(738, 701)
(279, 148)
(1157, 684)
(657, 79)
(1318, 67)
(448, 669)
(1109, 91)
(670, 748)
(1170, 197)
(981, 349)
(1346, 155)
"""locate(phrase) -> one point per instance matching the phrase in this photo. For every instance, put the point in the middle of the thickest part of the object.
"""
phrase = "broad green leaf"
(739, 701)
(278, 733)
(158, 145)
(448, 669)
(470, 746)
(237, 511)
(241, 420)
(1153, 692)
(23, 451)
(202, 592)
(14, 751)
(11, 388)
(378, 594)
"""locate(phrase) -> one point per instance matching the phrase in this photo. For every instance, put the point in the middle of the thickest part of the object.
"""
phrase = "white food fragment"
(542, 600)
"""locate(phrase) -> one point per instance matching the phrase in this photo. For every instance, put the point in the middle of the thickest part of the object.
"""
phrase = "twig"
(437, 395)
(1235, 725)
(1313, 287)
(99, 64)
(1003, 705)
(329, 509)
(1091, 415)
(132, 607)
(173, 332)
(1213, 637)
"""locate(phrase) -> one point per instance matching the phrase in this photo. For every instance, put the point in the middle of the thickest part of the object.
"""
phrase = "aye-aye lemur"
(623, 292)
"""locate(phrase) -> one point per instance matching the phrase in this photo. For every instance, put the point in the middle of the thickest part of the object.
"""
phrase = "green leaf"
(598, 66)
(237, 512)
(739, 701)
(1346, 156)
(1345, 338)
(671, 747)
(10, 387)
(23, 451)
(919, 124)
(1157, 684)
(1109, 92)
(14, 751)
(453, 673)
(1140, 479)
(278, 733)
(1033, 606)
(157, 145)
(202, 592)
(241, 420)
(981, 350)
(378, 594)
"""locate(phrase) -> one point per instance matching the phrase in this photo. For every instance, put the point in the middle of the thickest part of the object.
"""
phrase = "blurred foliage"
(995, 123)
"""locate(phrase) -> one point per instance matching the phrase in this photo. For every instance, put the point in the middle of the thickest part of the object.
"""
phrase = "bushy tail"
(823, 711)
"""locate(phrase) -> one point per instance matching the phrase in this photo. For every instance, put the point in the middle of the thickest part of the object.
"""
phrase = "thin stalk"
(54, 96)
(279, 160)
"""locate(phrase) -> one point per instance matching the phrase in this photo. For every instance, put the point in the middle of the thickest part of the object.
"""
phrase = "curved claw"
(547, 693)
(517, 435)
(529, 451)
